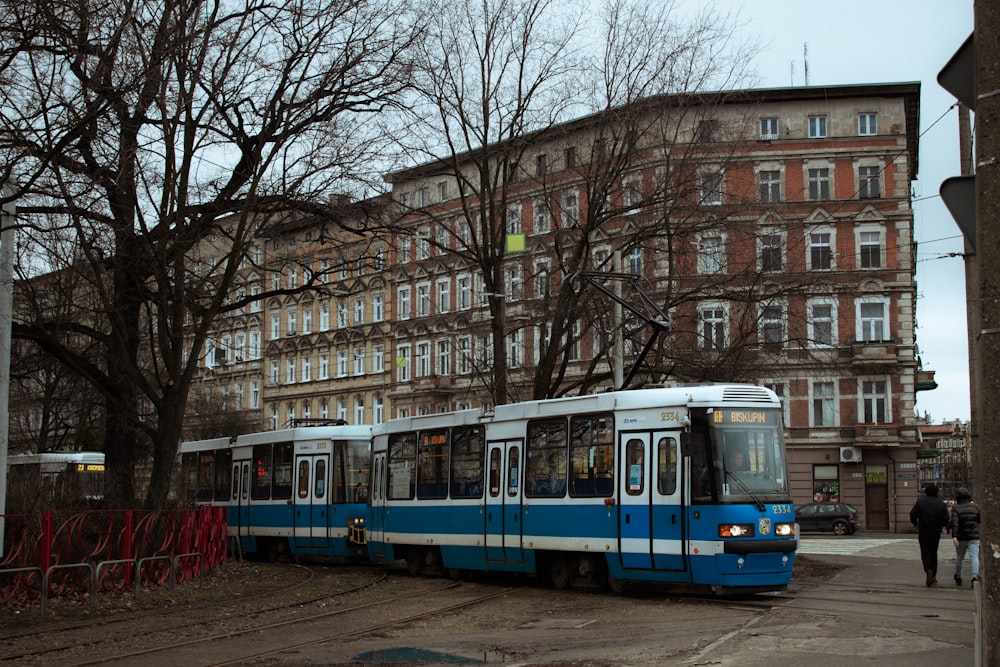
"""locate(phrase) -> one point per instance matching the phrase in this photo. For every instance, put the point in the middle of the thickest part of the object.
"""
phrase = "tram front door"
(503, 503)
(311, 515)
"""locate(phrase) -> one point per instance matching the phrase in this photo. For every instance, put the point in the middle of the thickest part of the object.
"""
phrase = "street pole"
(8, 237)
(986, 466)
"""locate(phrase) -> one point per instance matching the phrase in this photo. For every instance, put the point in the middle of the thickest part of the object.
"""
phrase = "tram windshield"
(747, 456)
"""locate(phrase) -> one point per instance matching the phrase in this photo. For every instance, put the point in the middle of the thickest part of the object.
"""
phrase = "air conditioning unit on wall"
(850, 455)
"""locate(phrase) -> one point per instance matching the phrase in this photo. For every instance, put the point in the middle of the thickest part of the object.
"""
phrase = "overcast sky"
(892, 41)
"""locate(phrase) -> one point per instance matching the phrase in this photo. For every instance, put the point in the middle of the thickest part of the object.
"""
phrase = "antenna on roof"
(805, 60)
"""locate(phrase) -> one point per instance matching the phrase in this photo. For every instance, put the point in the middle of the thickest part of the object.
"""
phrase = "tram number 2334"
(670, 416)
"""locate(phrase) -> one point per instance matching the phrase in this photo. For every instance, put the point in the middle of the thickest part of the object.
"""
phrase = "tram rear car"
(633, 488)
(299, 491)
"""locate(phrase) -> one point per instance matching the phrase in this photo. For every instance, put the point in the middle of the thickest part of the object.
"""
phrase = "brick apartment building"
(773, 227)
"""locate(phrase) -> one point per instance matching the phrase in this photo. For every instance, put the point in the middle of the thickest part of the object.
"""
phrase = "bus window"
(467, 452)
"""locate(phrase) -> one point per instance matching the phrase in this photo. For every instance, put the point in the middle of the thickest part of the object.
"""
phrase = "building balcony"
(876, 434)
(873, 356)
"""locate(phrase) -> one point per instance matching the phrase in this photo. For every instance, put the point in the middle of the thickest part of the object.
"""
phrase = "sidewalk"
(877, 610)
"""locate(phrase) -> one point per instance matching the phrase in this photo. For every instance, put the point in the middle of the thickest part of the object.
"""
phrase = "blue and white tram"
(631, 487)
(301, 491)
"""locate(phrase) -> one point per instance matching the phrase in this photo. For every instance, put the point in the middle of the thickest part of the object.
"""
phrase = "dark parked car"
(841, 518)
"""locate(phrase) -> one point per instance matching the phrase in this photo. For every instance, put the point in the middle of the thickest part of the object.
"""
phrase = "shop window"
(826, 483)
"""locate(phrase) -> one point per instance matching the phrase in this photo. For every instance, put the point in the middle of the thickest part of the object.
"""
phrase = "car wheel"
(839, 527)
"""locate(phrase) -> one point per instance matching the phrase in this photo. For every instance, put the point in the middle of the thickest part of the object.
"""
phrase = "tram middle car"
(299, 491)
(633, 488)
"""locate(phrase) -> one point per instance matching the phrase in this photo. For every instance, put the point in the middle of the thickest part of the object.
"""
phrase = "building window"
(514, 349)
(324, 316)
(290, 370)
(342, 315)
(324, 366)
(820, 251)
(769, 128)
(403, 363)
(771, 252)
(872, 324)
(711, 254)
(291, 315)
(542, 280)
(306, 369)
(443, 288)
(443, 191)
(444, 357)
(822, 319)
(875, 402)
(378, 411)
(826, 483)
(710, 188)
(324, 409)
(515, 282)
(403, 250)
(867, 124)
(869, 185)
(254, 395)
(870, 249)
(464, 292)
(541, 217)
(817, 127)
(423, 359)
(769, 186)
(359, 310)
(772, 325)
(359, 410)
(634, 261)
(423, 299)
(569, 157)
(378, 307)
(275, 372)
(632, 194)
(708, 130)
(464, 355)
(819, 184)
(823, 404)
(423, 243)
(540, 165)
(570, 204)
(403, 296)
(275, 325)
(342, 409)
(342, 362)
(514, 219)
(713, 327)
(359, 360)
(424, 197)
(378, 359)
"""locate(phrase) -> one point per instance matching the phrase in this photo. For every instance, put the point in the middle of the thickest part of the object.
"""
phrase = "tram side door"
(241, 503)
(377, 516)
(650, 517)
(311, 514)
(503, 503)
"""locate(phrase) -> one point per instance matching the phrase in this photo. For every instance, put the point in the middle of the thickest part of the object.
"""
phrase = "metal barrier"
(188, 541)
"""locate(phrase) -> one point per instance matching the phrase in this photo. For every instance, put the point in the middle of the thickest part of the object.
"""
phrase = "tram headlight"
(736, 530)
(784, 529)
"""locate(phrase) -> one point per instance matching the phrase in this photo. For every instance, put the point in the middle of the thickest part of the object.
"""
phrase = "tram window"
(545, 476)
(467, 462)
(635, 454)
(320, 489)
(402, 466)
(513, 469)
(432, 464)
(592, 454)
(189, 477)
(261, 473)
(304, 478)
(358, 453)
(206, 475)
(282, 488)
(246, 479)
(236, 481)
(495, 473)
(666, 466)
(223, 473)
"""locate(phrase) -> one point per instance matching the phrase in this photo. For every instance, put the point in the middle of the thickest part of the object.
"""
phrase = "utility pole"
(986, 467)
(8, 238)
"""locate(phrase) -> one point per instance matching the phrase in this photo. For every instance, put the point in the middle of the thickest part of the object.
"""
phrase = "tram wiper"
(745, 489)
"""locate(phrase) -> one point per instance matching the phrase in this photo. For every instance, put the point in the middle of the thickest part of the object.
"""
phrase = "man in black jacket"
(929, 515)
(965, 533)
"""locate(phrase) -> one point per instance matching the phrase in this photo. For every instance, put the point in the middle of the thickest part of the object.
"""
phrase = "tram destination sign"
(746, 417)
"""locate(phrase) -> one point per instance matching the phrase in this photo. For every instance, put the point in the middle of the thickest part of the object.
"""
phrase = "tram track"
(71, 637)
(233, 641)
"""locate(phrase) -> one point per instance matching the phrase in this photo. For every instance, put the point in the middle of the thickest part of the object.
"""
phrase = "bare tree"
(162, 140)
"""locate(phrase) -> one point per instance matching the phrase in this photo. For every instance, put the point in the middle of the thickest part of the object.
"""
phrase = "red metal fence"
(58, 553)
